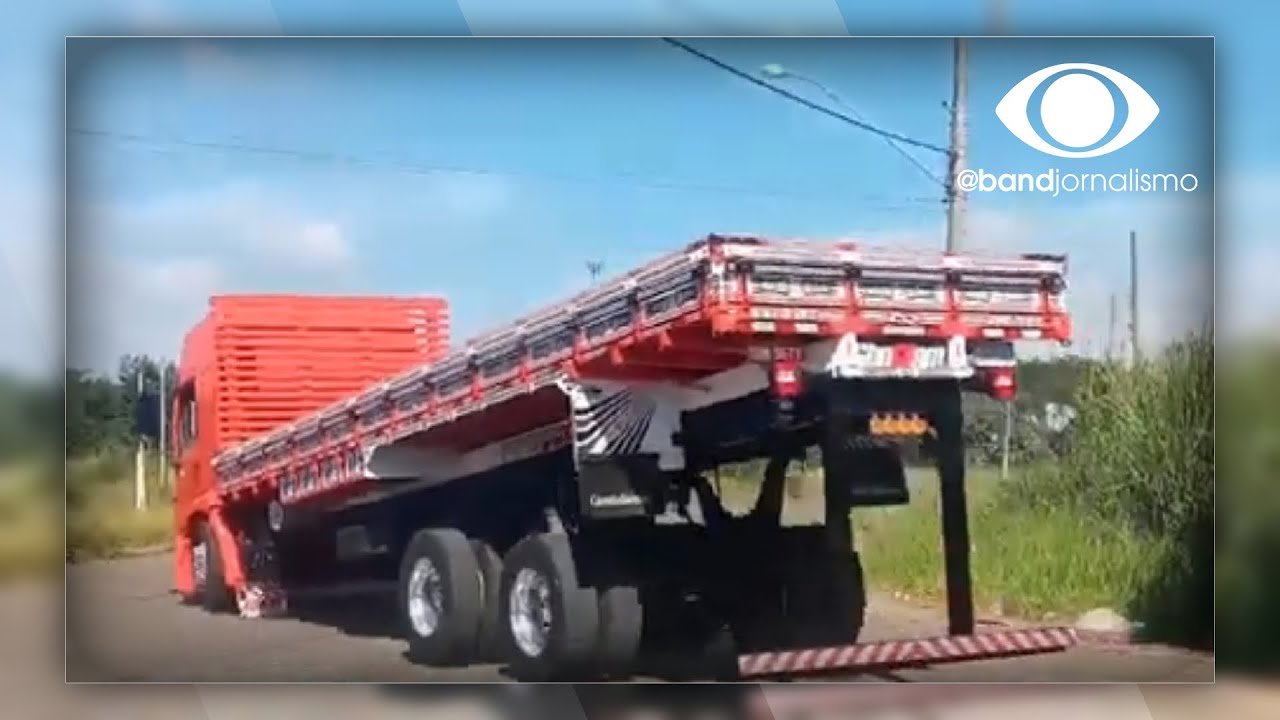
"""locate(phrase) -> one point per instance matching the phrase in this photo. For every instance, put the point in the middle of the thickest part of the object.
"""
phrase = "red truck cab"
(255, 363)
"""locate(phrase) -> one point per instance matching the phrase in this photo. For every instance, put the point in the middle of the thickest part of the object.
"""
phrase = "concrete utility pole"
(956, 196)
(140, 460)
(162, 469)
(1136, 349)
(1111, 330)
(998, 18)
(1004, 441)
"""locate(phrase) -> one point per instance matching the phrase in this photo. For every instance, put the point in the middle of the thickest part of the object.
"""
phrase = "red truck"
(543, 495)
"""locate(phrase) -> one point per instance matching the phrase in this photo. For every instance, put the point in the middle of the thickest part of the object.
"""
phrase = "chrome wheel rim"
(426, 597)
(200, 563)
(530, 612)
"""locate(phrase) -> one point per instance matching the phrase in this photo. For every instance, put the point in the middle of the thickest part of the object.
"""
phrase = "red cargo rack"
(680, 318)
(279, 357)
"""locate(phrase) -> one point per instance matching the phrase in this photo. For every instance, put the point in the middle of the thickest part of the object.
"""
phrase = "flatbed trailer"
(541, 495)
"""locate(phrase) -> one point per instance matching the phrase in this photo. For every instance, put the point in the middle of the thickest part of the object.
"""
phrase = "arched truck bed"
(573, 445)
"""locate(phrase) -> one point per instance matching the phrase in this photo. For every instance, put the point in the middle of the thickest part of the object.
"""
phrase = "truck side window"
(186, 414)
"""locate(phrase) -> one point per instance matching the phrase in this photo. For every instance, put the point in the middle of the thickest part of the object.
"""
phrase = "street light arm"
(749, 77)
(778, 71)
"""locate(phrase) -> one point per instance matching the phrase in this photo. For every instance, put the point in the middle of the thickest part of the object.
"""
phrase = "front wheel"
(211, 591)
(551, 623)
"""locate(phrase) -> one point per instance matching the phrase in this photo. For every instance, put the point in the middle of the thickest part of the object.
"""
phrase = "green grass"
(29, 521)
(1028, 561)
(107, 525)
(100, 519)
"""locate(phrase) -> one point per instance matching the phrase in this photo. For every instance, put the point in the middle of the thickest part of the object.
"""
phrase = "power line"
(858, 116)
(906, 140)
(160, 144)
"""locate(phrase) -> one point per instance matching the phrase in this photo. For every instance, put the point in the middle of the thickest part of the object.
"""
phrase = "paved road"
(124, 625)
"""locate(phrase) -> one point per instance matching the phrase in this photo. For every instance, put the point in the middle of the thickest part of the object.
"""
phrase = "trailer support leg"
(768, 505)
(837, 507)
(949, 424)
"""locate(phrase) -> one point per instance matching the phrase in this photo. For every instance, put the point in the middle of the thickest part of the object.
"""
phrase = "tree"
(97, 415)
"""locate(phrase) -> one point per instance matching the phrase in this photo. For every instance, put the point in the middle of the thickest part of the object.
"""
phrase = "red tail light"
(787, 382)
(1060, 327)
(1003, 383)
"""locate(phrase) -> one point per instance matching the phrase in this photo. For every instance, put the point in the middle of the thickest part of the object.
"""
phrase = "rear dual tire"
(553, 627)
(460, 604)
(447, 592)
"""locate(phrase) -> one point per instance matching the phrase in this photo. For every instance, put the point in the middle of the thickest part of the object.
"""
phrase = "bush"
(28, 521)
(1141, 460)
(102, 521)
(1248, 536)
(1027, 561)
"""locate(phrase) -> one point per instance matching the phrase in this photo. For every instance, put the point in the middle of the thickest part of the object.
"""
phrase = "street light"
(776, 71)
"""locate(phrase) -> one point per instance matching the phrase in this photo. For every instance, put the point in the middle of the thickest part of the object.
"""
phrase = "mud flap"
(618, 487)
(184, 582)
(873, 475)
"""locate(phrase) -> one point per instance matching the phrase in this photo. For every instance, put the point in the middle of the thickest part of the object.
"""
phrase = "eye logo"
(1077, 110)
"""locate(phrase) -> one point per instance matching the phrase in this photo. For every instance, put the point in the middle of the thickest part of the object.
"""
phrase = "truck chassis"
(577, 542)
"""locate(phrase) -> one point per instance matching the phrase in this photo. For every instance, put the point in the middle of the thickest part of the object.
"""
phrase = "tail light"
(786, 379)
(1003, 383)
(1060, 327)
(898, 424)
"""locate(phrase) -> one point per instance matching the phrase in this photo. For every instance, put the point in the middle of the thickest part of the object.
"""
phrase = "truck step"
(906, 653)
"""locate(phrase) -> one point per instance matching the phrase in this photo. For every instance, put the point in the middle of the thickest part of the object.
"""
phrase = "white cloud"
(150, 266)
(321, 244)
(124, 305)
(145, 271)
(243, 219)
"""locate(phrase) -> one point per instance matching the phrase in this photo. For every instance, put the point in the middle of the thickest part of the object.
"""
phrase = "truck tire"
(489, 568)
(211, 589)
(439, 597)
(827, 599)
(550, 624)
(621, 624)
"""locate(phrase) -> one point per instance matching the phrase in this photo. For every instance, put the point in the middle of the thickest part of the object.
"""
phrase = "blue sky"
(490, 171)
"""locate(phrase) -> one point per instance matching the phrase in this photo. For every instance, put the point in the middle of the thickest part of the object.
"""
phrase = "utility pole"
(140, 458)
(956, 195)
(998, 17)
(162, 470)
(1004, 441)
(1136, 349)
(1111, 330)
